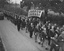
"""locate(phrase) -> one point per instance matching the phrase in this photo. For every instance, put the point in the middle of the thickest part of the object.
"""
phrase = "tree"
(3, 2)
(56, 5)
(35, 3)
(25, 3)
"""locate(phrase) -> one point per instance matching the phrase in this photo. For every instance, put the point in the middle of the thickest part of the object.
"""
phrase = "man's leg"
(56, 48)
(18, 28)
(62, 47)
(31, 33)
(36, 37)
(48, 40)
(52, 47)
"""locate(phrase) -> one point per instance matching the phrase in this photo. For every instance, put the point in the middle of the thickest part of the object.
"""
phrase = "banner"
(36, 13)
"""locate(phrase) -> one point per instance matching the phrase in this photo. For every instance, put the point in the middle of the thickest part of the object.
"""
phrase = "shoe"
(39, 43)
(46, 48)
(30, 37)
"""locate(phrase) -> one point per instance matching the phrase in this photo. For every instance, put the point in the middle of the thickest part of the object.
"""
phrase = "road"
(17, 41)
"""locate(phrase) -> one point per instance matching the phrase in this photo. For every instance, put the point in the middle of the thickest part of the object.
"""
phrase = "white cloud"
(16, 1)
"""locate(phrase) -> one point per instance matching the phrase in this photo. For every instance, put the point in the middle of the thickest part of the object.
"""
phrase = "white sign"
(35, 13)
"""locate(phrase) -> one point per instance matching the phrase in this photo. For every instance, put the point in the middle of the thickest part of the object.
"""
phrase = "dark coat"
(30, 28)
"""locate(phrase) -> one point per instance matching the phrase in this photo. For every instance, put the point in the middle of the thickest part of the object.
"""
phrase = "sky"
(16, 1)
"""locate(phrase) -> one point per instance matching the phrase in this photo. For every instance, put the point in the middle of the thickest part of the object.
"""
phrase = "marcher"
(55, 44)
(36, 32)
(61, 40)
(35, 22)
(31, 29)
(18, 23)
(43, 35)
(48, 34)
(23, 23)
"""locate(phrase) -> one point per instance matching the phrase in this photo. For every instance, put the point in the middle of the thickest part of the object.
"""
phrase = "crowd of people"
(42, 31)
(46, 31)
